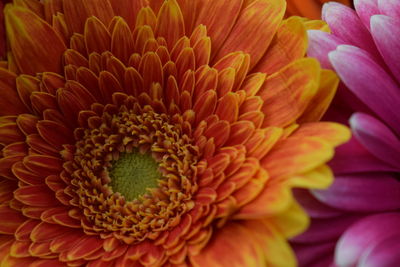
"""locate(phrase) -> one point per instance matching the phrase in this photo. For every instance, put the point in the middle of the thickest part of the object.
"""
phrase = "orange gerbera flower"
(158, 133)
(309, 8)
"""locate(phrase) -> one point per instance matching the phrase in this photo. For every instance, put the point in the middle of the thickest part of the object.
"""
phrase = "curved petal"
(320, 44)
(384, 254)
(365, 9)
(389, 7)
(345, 24)
(386, 34)
(362, 193)
(254, 29)
(363, 76)
(36, 47)
(364, 234)
(377, 138)
(352, 157)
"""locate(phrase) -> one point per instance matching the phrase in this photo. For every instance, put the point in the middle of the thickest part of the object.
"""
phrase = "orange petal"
(240, 62)
(55, 133)
(13, 221)
(170, 24)
(273, 199)
(285, 100)
(35, 195)
(216, 13)
(254, 29)
(10, 133)
(27, 32)
(151, 69)
(43, 164)
(77, 11)
(233, 245)
(323, 98)
(86, 246)
(122, 44)
(97, 37)
(46, 231)
(228, 107)
(289, 44)
(297, 155)
(205, 105)
(127, 9)
(334, 133)
(10, 101)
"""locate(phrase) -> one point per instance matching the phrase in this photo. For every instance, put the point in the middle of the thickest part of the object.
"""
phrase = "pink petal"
(365, 9)
(390, 8)
(384, 254)
(377, 138)
(386, 34)
(352, 157)
(369, 82)
(345, 24)
(310, 254)
(363, 235)
(320, 44)
(324, 230)
(367, 192)
(313, 207)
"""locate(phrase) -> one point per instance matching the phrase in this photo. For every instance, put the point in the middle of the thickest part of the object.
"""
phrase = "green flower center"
(133, 173)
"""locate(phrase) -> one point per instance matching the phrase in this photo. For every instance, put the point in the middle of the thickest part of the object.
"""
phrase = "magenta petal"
(365, 9)
(320, 44)
(313, 207)
(377, 138)
(365, 234)
(324, 230)
(352, 157)
(362, 193)
(390, 8)
(386, 34)
(384, 254)
(310, 254)
(346, 25)
(369, 82)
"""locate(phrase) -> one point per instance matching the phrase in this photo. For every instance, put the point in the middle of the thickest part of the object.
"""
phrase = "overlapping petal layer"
(187, 83)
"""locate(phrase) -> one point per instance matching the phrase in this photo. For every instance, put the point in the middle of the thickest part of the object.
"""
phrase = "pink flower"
(356, 221)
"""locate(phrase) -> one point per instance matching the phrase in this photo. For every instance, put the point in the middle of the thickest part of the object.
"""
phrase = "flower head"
(159, 133)
(363, 49)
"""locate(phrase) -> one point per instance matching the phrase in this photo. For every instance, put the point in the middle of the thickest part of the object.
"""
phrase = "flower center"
(133, 173)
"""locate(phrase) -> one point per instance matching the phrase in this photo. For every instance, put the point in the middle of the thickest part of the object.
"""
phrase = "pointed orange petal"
(76, 12)
(322, 99)
(10, 133)
(254, 29)
(146, 16)
(296, 155)
(228, 107)
(86, 246)
(285, 100)
(205, 105)
(289, 44)
(14, 219)
(97, 37)
(231, 246)
(46, 231)
(240, 62)
(122, 44)
(10, 101)
(27, 32)
(151, 69)
(35, 195)
(331, 132)
(43, 164)
(216, 13)
(128, 10)
(274, 198)
(170, 23)
(108, 85)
